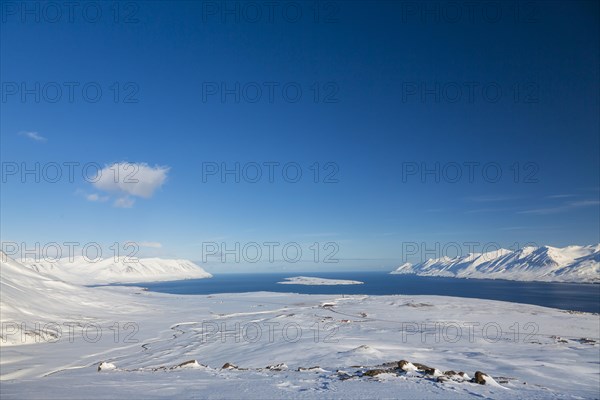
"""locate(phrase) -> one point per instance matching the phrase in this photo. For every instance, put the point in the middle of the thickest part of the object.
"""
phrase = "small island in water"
(308, 280)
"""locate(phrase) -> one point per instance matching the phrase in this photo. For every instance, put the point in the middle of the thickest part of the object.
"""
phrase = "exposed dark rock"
(451, 374)
(479, 378)
(278, 367)
(229, 366)
(424, 368)
(343, 375)
(421, 367)
(390, 364)
(375, 372)
(105, 366)
(188, 363)
(418, 305)
(302, 369)
(587, 341)
(183, 364)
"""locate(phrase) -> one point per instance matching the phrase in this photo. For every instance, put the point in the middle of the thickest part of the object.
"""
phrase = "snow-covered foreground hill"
(124, 342)
(567, 264)
(117, 270)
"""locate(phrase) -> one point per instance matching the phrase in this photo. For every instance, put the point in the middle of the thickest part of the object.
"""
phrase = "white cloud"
(492, 198)
(124, 202)
(319, 234)
(33, 136)
(513, 228)
(130, 179)
(563, 208)
(585, 203)
(96, 197)
(153, 245)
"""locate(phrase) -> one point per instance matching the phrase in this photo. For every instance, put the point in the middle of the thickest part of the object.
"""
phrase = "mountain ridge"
(117, 270)
(546, 263)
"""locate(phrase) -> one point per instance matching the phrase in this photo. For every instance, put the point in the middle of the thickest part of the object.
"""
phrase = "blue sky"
(387, 89)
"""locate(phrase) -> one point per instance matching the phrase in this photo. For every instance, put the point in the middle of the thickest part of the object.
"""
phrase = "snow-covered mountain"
(117, 270)
(29, 299)
(26, 292)
(567, 264)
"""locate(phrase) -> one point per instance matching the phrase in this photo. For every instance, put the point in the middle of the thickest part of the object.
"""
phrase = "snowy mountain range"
(117, 270)
(546, 263)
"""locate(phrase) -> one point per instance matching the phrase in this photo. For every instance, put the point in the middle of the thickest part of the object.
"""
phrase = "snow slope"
(285, 345)
(29, 297)
(567, 264)
(118, 270)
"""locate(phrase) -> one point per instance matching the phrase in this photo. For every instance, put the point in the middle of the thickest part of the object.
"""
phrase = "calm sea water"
(568, 296)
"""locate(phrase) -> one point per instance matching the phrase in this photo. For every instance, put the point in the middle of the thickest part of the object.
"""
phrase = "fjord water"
(567, 296)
